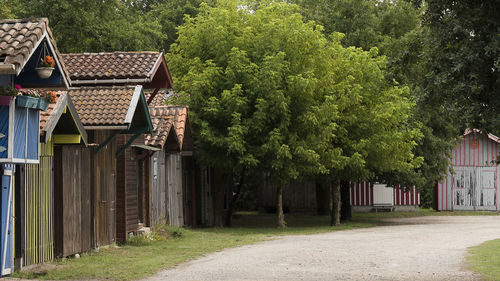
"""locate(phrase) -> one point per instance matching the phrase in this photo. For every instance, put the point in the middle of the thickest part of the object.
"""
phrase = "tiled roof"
(158, 100)
(45, 116)
(115, 65)
(18, 37)
(163, 118)
(102, 106)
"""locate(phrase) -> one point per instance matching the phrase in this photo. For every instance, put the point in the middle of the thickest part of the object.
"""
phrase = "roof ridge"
(104, 87)
(111, 53)
(42, 19)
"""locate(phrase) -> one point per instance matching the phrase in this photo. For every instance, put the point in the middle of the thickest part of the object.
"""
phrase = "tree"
(253, 78)
(94, 25)
(463, 51)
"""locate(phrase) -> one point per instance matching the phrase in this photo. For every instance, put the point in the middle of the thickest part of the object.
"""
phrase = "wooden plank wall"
(297, 196)
(72, 200)
(158, 188)
(127, 212)
(474, 162)
(206, 201)
(175, 208)
(38, 202)
(105, 186)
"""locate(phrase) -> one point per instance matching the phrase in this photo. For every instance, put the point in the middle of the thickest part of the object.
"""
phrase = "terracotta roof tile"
(158, 100)
(102, 106)
(115, 65)
(163, 118)
(18, 37)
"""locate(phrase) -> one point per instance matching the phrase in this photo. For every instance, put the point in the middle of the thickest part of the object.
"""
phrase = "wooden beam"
(109, 139)
(67, 139)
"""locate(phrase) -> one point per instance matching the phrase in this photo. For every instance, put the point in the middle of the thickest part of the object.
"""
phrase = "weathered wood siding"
(158, 188)
(38, 202)
(474, 183)
(206, 212)
(363, 194)
(297, 196)
(104, 180)
(72, 212)
(175, 206)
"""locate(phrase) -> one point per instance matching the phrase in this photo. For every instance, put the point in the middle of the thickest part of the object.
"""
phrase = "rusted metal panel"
(473, 184)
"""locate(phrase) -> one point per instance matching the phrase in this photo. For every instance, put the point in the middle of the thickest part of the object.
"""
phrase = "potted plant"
(47, 67)
(7, 94)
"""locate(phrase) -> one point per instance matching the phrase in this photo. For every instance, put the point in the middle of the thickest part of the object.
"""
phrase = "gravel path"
(425, 248)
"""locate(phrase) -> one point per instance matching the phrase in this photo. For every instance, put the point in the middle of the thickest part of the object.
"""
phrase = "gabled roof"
(111, 107)
(476, 131)
(20, 38)
(119, 68)
(166, 119)
(50, 118)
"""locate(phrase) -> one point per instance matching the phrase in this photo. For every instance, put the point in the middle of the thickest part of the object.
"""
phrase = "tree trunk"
(281, 215)
(335, 199)
(322, 198)
(345, 198)
(234, 197)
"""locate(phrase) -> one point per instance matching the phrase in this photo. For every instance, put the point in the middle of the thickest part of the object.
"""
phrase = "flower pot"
(44, 72)
(43, 104)
(30, 102)
(6, 100)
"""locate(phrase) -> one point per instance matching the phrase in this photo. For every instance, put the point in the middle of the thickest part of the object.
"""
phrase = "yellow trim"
(63, 139)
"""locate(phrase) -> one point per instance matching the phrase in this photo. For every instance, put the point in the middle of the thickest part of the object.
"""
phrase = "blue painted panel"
(4, 130)
(29, 76)
(33, 134)
(19, 132)
(6, 227)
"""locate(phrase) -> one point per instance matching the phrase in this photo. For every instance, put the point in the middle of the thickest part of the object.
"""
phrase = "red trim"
(363, 203)
(371, 193)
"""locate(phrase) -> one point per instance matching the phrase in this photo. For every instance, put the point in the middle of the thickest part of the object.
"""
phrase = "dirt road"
(425, 248)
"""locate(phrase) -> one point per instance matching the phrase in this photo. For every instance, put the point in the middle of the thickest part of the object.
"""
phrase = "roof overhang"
(476, 131)
(64, 107)
(138, 118)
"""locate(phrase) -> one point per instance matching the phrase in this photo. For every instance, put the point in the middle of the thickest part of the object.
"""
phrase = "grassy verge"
(145, 258)
(485, 259)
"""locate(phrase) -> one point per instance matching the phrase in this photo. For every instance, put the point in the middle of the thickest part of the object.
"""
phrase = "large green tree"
(252, 76)
(463, 54)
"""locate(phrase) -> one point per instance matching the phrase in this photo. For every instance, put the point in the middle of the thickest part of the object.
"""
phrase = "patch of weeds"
(145, 239)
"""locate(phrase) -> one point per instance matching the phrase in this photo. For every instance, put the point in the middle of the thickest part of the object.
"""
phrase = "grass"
(485, 259)
(144, 257)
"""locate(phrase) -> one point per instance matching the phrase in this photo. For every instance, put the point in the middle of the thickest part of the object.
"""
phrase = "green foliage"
(463, 51)
(94, 25)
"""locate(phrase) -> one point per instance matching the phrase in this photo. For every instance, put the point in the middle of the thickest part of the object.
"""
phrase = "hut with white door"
(472, 183)
(367, 196)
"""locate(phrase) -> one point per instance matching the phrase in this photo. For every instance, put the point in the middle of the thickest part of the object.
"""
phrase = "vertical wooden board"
(85, 186)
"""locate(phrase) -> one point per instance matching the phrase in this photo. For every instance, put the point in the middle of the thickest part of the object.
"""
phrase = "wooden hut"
(367, 196)
(173, 193)
(41, 197)
(150, 71)
(24, 43)
(108, 112)
(297, 197)
(473, 182)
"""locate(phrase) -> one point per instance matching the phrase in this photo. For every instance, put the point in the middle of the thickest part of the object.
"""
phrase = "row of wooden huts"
(111, 158)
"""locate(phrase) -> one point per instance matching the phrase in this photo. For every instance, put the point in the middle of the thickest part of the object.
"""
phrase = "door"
(6, 235)
(475, 188)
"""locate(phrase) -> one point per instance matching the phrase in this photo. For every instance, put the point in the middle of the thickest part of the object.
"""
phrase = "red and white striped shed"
(367, 195)
(474, 183)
